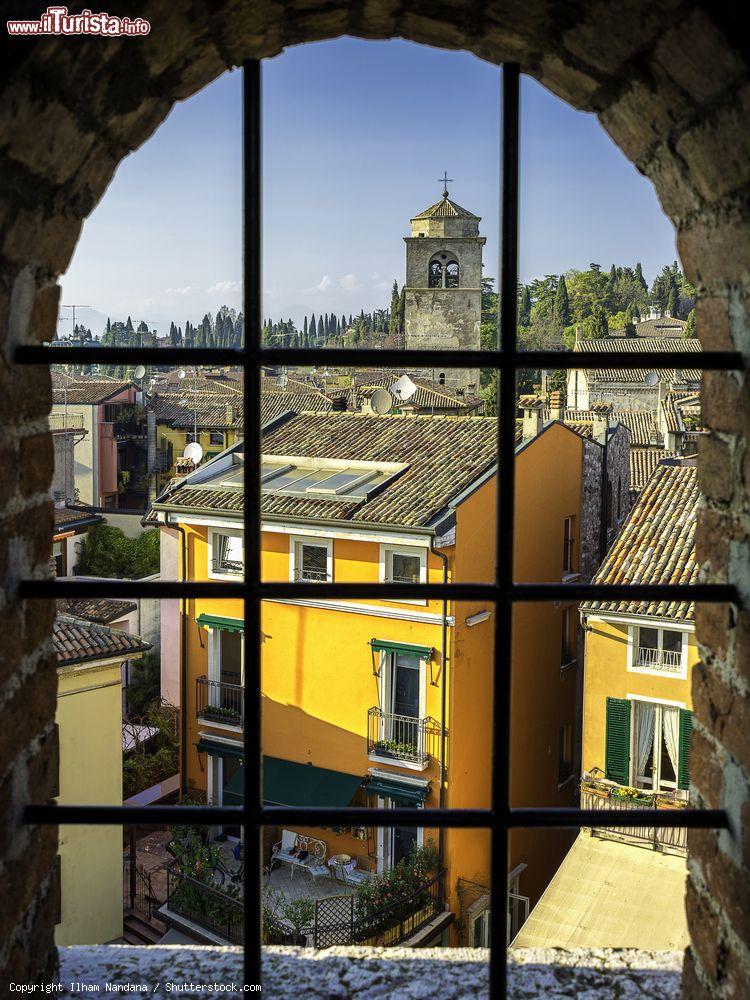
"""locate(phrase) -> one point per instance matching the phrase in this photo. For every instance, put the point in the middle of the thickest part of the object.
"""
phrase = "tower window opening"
(435, 274)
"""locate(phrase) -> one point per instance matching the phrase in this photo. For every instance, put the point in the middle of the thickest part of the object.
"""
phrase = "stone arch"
(668, 85)
(443, 270)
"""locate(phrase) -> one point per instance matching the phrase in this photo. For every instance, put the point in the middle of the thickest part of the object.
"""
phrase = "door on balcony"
(226, 676)
(656, 745)
(403, 702)
(397, 842)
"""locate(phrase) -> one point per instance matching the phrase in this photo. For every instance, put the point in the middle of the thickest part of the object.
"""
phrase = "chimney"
(183, 467)
(230, 415)
(557, 405)
(601, 421)
(533, 416)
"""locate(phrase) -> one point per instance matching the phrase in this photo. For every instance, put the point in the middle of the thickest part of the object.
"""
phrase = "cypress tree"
(672, 307)
(304, 331)
(690, 327)
(393, 320)
(524, 305)
(311, 331)
(321, 332)
(561, 304)
(639, 276)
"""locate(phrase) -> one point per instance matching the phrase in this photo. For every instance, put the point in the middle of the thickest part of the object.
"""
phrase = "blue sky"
(356, 135)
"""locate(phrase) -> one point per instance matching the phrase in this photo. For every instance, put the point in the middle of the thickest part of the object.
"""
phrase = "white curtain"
(671, 726)
(644, 718)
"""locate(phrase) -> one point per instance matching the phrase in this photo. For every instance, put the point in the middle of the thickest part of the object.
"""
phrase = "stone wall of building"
(670, 84)
(618, 472)
(591, 510)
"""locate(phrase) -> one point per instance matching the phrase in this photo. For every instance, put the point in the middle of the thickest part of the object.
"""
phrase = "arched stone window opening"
(435, 279)
(441, 378)
(443, 271)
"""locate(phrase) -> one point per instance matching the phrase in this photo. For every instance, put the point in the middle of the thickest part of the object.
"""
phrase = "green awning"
(219, 621)
(218, 749)
(233, 793)
(410, 648)
(400, 791)
(288, 784)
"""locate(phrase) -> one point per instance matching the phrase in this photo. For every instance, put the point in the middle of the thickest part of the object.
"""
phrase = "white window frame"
(634, 645)
(321, 543)
(212, 535)
(480, 911)
(633, 780)
(214, 672)
(387, 552)
(385, 694)
(385, 838)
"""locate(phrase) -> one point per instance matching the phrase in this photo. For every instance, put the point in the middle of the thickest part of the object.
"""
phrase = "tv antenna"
(74, 306)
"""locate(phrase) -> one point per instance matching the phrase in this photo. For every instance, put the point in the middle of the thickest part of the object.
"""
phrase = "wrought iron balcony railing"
(668, 660)
(219, 701)
(670, 840)
(397, 737)
(220, 914)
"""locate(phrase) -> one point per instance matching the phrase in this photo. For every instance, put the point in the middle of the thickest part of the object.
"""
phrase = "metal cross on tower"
(445, 180)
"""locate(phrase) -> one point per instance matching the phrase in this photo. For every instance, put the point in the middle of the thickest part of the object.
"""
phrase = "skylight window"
(332, 479)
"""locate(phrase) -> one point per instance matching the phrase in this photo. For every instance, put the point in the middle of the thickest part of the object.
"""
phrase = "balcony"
(600, 794)
(65, 422)
(398, 738)
(219, 702)
(667, 661)
(220, 916)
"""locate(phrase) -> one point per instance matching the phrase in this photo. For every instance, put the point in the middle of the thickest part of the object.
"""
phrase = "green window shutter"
(617, 750)
(686, 734)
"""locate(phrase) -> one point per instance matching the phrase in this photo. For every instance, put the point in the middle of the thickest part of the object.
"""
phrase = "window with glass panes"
(500, 817)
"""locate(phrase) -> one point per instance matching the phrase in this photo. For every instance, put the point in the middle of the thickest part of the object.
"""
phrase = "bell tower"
(443, 294)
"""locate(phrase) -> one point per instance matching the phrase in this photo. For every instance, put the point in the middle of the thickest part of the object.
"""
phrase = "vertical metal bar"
(506, 410)
(251, 515)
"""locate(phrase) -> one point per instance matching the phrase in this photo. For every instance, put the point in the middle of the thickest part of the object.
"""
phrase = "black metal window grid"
(501, 817)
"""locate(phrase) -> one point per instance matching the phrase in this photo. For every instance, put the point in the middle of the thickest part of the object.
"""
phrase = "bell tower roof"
(446, 209)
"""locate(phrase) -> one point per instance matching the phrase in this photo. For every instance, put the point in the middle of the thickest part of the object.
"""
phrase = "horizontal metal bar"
(526, 818)
(518, 592)
(373, 358)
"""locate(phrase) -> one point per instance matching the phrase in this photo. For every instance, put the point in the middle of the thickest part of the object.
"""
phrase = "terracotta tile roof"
(425, 398)
(664, 326)
(101, 611)
(643, 461)
(273, 404)
(642, 427)
(442, 456)
(78, 641)
(670, 414)
(68, 517)
(637, 345)
(583, 428)
(446, 209)
(182, 409)
(196, 383)
(655, 544)
(91, 392)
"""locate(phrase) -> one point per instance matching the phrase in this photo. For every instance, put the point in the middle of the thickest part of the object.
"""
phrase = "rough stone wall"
(618, 471)
(590, 528)
(670, 83)
(468, 253)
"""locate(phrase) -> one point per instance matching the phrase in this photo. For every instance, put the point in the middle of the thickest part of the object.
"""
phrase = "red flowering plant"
(396, 894)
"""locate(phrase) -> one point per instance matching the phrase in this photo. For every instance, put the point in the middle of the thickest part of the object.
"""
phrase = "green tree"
(107, 551)
(524, 306)
(690, 326)
(639, 277)
(596, 325)
(561, 306)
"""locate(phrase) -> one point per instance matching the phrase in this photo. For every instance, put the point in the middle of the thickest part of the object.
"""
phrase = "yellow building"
(624, 887)
(89, 720)
(639, 656)
(358, 702)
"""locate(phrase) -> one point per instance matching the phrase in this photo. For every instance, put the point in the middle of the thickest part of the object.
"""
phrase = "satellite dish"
(652, 378)
(181, 373)
(140, 371)
(382, 401)
(403, 388)
(194, 452)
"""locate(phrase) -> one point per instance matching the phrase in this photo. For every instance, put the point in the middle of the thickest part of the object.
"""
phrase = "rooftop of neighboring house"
(356, 467)
(69, 518)
(78, 641)
(99, 610)
(638, 345)
(643, 461)
(91, 391)
(426, 396)
(185, 409)
(273, 404)
(658, 326)
(655, 544)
